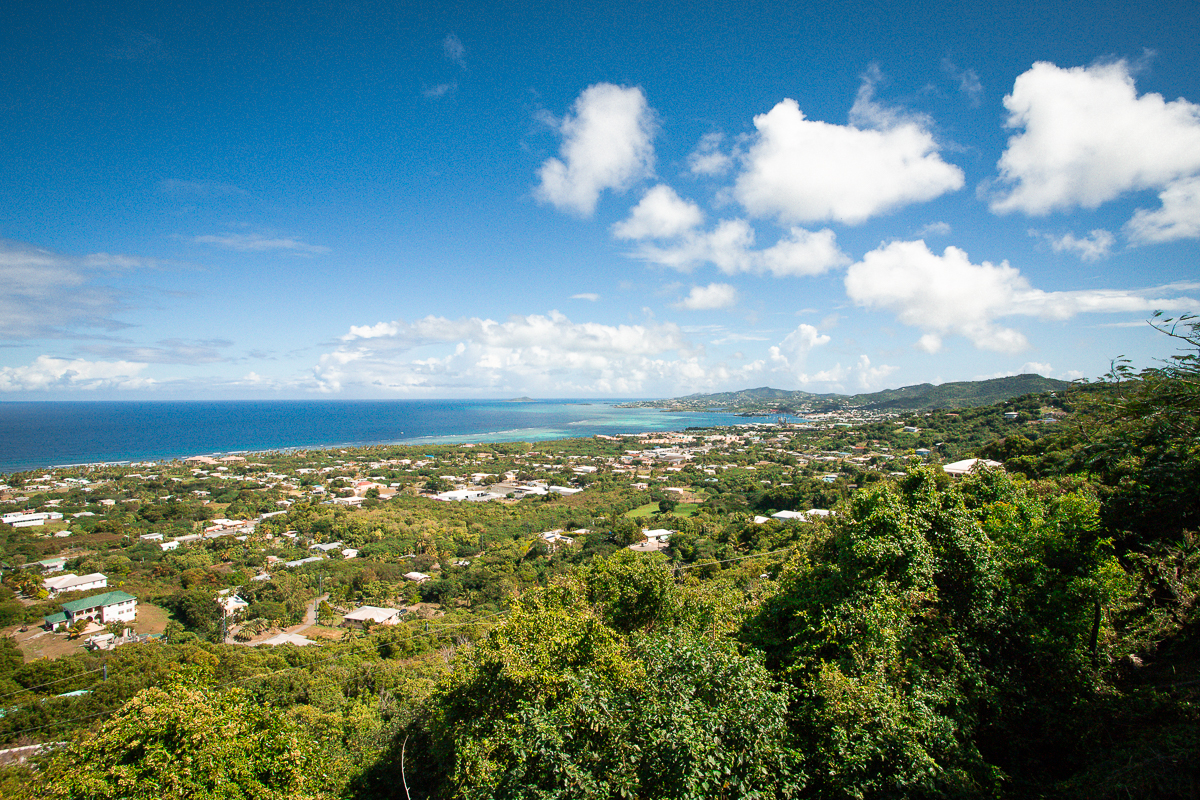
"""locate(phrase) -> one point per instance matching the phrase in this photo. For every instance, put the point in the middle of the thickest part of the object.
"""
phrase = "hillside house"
(969, 465)
(74, 583)
(371, 615)
(102, 608)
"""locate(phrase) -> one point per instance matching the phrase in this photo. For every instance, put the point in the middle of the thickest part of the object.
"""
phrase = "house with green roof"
(102, 608)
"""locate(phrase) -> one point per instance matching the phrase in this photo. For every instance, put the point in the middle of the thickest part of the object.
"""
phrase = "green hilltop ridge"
(957, 394)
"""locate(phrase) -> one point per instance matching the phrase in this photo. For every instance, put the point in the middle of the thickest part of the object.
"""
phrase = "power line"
(352, 651)
(51, 683)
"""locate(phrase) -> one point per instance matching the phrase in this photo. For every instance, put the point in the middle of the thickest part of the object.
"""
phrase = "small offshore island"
(928, 584)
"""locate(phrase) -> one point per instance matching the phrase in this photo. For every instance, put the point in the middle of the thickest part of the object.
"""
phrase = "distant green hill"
(959, 394)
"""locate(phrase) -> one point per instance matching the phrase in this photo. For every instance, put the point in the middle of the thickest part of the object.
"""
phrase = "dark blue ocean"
(44, 434)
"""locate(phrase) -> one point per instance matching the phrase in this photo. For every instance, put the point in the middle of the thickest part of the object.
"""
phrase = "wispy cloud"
(730, 245)
(454, 50)
(201, 188)
(135, 45)
(1093, 247)
(441, 90)
(165, 351)
(44, 294)
(968, 82)
(257, 243)
(592, 296)
(708, 158)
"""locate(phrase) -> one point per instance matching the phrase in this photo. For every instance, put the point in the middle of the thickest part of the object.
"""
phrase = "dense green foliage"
(610, 685)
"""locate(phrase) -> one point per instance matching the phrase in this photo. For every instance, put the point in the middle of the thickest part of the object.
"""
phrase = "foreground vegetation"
(1025, 632)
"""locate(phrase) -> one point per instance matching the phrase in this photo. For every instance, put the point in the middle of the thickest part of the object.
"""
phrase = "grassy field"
(150, 619)
(650, 509)
(38, 643)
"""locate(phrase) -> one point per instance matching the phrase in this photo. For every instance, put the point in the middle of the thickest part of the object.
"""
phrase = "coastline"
(40, 435)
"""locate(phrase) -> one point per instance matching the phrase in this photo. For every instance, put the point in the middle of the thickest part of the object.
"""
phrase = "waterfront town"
(85, 537)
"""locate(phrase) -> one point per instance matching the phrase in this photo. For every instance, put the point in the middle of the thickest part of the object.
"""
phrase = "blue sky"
(589, 199)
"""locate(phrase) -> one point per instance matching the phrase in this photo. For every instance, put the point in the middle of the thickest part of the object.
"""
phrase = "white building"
(969, 465)
(657, 534)
(22, 519)
(371, 615)
(74, 583)
(230, 602)
(101, 608)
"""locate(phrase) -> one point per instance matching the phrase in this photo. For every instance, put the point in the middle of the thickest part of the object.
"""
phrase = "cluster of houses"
(498, 491)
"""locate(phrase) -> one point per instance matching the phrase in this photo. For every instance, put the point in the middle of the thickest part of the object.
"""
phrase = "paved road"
(310, 616)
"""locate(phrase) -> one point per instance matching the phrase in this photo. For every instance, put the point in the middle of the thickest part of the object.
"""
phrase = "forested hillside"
(1030, 631)
(953, 395)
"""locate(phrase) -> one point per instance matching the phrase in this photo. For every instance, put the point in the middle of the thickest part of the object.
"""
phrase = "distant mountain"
(959, 394)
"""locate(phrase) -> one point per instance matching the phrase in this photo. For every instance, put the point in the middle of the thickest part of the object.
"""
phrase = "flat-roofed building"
(74, 583)
(371, 615)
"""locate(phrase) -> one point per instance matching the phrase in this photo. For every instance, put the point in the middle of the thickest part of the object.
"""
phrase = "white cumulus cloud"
(946, 294)
(547, 354)
(1178, 218)
(708, 158)
(661, 214)
(713, 296)
(607, 144)
(870, 377)
(802, 170)
(1087, 137)
(792, 352)
(48, 372)
(730, 246)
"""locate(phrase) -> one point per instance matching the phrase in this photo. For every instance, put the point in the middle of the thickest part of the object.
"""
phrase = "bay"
(35, 435)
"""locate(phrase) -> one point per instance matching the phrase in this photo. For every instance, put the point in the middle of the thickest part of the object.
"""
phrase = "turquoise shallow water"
(43, 434)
